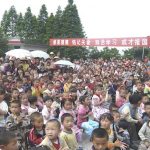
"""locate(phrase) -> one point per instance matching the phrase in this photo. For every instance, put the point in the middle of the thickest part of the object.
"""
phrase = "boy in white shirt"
(33, 105)
(47, 111)
(3, 107)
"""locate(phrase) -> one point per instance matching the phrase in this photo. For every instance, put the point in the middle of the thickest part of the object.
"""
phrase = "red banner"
(113, 42)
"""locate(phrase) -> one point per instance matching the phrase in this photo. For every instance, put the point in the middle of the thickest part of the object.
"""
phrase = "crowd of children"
(52, 107)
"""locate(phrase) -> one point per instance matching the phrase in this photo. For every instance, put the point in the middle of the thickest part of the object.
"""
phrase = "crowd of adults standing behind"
(56, 105)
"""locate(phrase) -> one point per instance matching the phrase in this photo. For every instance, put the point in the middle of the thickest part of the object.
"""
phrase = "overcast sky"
(100, 18)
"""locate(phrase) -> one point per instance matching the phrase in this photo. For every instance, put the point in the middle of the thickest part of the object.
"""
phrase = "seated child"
(24, 104)
(36, 88)
(99, 139)
(116, 116)
(56, 106)
(33, 105)
(47, 111)
(48, 91)
(97, 103)
(106, 121)
(8, 140)
(67, 107)
(121, 99)
(129, 112)
(15, 94)
(16, 121)
(3, 107)
(52, 139)
(67, 133)
(146, 114)
(85, 116)
(123, 134)
(144, 135)
(37, 133)
(145, 99)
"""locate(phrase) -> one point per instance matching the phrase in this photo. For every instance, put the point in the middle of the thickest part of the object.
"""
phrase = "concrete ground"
(85, 144)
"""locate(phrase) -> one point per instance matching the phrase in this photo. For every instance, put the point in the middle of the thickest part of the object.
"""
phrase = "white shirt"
(3, 107)
(47, 115)
(32, 110)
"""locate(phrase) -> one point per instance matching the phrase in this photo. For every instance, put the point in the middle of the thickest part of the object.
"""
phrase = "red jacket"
(35, 138)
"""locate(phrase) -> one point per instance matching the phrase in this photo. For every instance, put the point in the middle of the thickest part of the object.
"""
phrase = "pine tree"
(50, 27)
(30, 27)
(72, 28)
(28, 24)
(34, 36)
(50, 32)
(9, 22)
(5, 23)
(58, 23)
(3, 43)
(57, 31)
(42, 20)
(70, 2)
(12, 20)
(20, 26)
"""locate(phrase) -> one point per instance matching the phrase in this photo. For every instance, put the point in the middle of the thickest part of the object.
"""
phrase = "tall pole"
(143, 54)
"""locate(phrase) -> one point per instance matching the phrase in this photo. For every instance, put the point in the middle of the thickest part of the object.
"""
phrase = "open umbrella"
(40, 54)
(65, 63)
(19, 53)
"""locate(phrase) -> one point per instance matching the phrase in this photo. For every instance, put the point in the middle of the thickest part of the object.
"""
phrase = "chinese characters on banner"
(128, 42)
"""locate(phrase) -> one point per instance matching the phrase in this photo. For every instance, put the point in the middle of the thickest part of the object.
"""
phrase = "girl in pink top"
(67, 107)
(121, 98)
(83, 110)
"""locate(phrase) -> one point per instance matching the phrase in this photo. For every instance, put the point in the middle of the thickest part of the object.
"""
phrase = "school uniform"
(60, 145)
(35, 136)
(70, 139)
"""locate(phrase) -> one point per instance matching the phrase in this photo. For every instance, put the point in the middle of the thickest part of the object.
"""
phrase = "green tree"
(94, 53)
(42, 20)
(20, 26)
(5, 23)
(138, 52)
(9, 22)
(50, 27)
(72, 28)
(55, 23)
(128, 54)
(3, 43)
(70, 2)
(12, 21)
(50, 32)
(30, 27)
(28, 24)
(34, 30)
(58, 23)
(107, 53)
